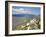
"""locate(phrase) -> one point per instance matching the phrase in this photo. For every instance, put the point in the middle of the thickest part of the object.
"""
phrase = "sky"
(25, 10)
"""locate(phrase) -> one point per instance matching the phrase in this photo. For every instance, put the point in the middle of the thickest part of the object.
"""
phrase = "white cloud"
(21, 11)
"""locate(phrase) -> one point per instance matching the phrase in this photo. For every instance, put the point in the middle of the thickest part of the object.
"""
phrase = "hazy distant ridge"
(23, 15)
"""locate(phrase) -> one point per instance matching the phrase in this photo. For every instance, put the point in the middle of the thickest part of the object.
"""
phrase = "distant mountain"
(27, 16)
(23, 15)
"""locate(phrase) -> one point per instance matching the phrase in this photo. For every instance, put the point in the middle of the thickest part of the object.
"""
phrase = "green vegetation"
(24, 26)
(26, 23)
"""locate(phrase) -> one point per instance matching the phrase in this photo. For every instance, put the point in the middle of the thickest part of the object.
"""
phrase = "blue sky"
(25, 10)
